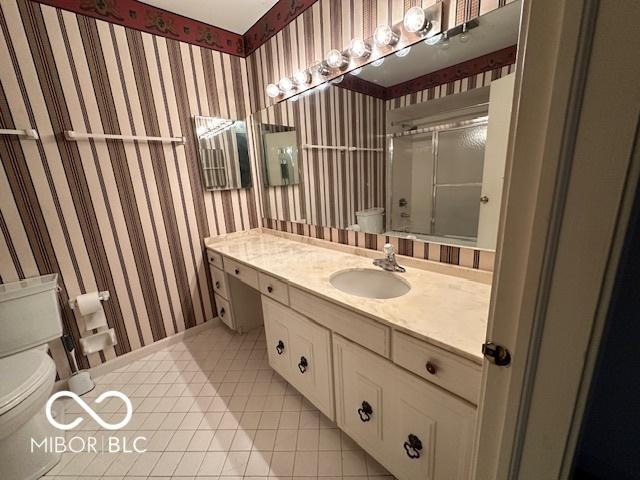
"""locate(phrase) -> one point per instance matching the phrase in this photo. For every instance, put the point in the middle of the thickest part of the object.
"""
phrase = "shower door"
(457, 181)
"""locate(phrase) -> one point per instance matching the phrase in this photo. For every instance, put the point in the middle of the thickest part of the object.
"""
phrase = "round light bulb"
(378, 62)
(385, 36)
(404, 52)
(303, 77)
(285, 84)
(415, 20)
(431, 41)
(357, 71)
(273, 91)
(337, 80)
(336, 59)
(359, 48)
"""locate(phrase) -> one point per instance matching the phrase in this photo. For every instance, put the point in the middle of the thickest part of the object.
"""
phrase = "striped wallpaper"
(331, 24)
(124, 217)
(333, 184)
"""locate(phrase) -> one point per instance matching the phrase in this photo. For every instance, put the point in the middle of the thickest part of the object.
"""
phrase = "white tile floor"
(211, 407)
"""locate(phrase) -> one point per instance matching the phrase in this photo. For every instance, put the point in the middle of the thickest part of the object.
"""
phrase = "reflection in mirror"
(223, 152)
(280, 154)
(412, 145)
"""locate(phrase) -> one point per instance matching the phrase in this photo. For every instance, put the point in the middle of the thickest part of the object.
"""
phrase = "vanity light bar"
(418, 24)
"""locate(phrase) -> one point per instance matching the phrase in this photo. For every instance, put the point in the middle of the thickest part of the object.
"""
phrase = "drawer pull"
(217, 284)
(222, 312)
(280, 347)
(303, 365)
(237, 271)
(365, 411)
(269, 289)
(413, 446)
(431, 368)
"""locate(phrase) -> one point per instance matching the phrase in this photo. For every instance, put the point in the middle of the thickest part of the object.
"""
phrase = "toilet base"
(17, 461)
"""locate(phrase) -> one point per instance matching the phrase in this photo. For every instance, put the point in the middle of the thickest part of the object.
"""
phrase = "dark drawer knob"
(222, 312)
(280, 347)
(217, 284)
(413, 446)
(303, 365)
(365, 411)
(431, 368)
(237, 271)
(269, 289)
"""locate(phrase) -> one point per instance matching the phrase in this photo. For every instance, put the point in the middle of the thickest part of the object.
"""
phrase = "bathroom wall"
(123, 217)
(334, 184)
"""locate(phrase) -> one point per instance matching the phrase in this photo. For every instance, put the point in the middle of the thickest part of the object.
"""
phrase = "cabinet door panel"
(360, 394)
(278, 339)
(430, 432)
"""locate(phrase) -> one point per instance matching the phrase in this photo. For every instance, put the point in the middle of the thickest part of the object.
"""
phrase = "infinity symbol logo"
(89, 410)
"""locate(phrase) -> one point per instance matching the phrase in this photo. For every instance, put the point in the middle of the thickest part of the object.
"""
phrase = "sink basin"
(370, 283)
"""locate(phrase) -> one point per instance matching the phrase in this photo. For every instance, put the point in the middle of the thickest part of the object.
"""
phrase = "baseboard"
(129, 357)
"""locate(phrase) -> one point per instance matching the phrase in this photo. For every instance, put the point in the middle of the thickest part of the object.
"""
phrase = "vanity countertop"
(446, 310)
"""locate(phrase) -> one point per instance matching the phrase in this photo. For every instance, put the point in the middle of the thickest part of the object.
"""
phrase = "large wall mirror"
(394, 148)
(223, 151)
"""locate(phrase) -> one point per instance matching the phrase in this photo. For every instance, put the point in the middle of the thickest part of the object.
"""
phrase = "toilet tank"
(29, 314)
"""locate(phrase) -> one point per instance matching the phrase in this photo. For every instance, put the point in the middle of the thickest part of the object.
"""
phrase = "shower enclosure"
(436, 180)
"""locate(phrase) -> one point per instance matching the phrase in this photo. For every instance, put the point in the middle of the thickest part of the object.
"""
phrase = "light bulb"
(385, 36)
(336, 59)
(404, 52)
(303, 77)
(285, 84)
(359, 48)
(415, 20)
(357, 71)
(337, 80)
(431, 41)
(273, 91)
(323, 69)
(378, 62)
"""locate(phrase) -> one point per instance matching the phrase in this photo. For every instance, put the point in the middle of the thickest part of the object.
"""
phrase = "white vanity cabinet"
(409, 403)
(415, 429)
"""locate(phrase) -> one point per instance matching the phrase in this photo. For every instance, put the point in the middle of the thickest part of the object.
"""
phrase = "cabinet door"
(430, 431)
(311, 362)
(224, 311)
(276, 331)
(361, 395)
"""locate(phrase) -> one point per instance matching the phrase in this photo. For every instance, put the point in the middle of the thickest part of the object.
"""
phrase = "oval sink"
(369, 283)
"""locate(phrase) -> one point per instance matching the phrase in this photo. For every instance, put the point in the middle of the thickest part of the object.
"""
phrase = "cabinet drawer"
(219, 282)
(214, 258)
(274, 288)
(366, 332)
(223, 308)
(243, 273)
(443, 368)
(300, 351)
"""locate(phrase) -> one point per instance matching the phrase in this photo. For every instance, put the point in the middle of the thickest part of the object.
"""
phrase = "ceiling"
(497, 30)
(236, 16)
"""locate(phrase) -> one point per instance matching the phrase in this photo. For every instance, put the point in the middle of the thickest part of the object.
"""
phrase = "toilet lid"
(21, 375)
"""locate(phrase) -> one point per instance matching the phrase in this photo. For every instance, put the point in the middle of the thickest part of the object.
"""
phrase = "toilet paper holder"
(103, 296)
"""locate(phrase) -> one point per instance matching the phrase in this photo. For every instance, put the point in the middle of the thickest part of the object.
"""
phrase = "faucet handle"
(388, 249)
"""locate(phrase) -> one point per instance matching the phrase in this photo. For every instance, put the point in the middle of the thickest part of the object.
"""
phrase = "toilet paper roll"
(88, 303)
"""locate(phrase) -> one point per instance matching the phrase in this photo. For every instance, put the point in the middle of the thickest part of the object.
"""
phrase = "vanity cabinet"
(300, 351)
(414, 428)
(410, 404)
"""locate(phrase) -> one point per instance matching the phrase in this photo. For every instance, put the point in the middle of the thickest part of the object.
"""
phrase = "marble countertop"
(447, 310)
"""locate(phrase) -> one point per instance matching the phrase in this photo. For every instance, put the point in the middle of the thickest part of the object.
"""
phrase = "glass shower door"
(457, 181)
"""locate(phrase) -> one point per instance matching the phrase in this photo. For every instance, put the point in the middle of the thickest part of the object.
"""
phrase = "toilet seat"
(22, 374)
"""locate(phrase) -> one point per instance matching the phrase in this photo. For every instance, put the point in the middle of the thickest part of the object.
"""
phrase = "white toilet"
(29, 319)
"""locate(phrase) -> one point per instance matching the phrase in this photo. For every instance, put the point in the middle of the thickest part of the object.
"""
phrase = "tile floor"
(211, 407)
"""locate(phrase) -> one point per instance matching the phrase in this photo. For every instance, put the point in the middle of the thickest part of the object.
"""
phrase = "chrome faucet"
(389, 263)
